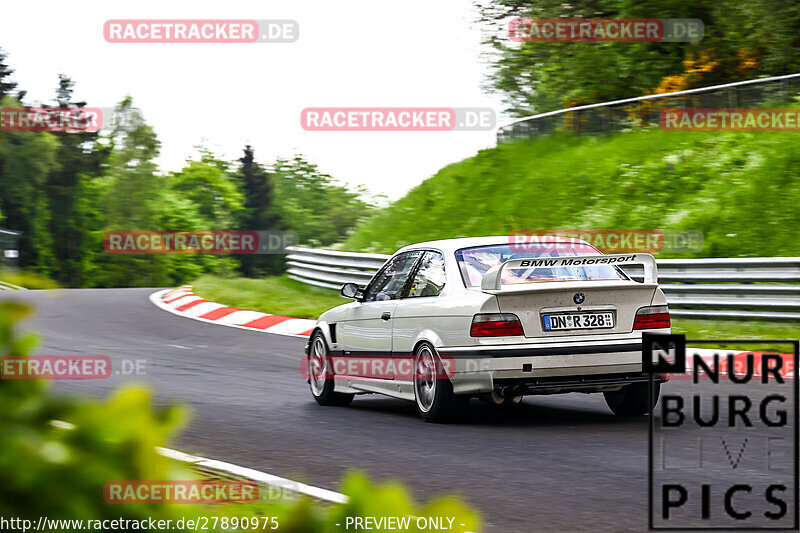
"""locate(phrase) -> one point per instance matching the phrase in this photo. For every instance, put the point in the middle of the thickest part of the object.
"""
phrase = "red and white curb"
(183, 302)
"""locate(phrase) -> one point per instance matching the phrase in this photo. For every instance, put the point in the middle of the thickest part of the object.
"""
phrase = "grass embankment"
(276, 295)
(742, 190)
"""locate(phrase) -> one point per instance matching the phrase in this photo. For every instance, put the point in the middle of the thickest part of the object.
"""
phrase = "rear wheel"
(433, 392)
(320, 374)
(633, 400)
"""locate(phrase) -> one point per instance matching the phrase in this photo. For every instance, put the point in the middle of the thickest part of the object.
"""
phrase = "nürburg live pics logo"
(723, 438)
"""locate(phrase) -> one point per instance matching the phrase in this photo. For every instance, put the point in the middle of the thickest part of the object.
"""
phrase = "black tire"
(322, 387)
(439, 404)
(633, 399)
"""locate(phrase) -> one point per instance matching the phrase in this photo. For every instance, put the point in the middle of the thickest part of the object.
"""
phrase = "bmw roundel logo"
(578, 298)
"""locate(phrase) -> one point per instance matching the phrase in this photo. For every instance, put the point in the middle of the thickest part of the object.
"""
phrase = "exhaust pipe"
(497, 396)
(507, 395)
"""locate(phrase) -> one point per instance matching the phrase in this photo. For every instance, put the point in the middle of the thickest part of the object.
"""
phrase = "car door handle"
(386, 316)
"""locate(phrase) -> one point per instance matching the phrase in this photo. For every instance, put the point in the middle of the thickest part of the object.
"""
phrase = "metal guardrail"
(331, 269)
(760, 287)
(618, 115)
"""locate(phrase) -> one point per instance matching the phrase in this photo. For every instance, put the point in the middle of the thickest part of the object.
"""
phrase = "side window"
(429, 280)
(389, 283)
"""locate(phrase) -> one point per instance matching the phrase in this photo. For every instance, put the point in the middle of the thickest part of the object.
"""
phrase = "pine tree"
(259, 213)
(80, 160)
(6, 85)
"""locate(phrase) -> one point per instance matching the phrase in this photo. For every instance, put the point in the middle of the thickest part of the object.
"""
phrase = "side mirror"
(349, 290)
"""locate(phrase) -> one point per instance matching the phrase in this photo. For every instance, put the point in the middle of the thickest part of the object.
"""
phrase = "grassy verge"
(738, 329)
(276, 295)
(29, 280)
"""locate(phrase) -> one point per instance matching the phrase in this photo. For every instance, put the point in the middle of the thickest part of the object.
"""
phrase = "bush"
(60, 473)
(59, 469)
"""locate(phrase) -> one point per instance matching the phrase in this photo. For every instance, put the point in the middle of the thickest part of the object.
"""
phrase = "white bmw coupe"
(444, 321)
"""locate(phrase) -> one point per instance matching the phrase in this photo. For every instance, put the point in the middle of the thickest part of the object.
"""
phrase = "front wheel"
(633, 400)
(320, 374)
(433, 391)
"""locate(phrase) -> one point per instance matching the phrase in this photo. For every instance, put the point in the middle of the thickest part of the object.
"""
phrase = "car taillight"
(495, 325)
(652, 317)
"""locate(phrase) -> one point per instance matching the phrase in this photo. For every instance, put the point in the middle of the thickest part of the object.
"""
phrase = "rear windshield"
(475, 262)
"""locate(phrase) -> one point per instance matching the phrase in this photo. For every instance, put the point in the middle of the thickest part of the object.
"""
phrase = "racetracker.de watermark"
(180, 492)
(376, 367)
(68, 367)
(199, 242)
(398, 119)
(560, 30)
(608, 240)
(713, 119)
(64, 119)
(200, 31)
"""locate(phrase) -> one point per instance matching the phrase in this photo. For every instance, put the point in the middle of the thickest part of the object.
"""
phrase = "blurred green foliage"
(57, 454)
(51, 471)
(742, 40)
(742, 190)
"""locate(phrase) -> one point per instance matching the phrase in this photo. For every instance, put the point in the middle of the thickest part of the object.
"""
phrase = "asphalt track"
(555, 463)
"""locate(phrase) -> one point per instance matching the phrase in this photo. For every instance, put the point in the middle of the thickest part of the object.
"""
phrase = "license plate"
(579, 321)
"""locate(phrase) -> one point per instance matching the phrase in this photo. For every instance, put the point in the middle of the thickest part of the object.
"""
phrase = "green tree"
(201, 196)
(741, 40)
(26, 160)
(259, 213)
(6, 85)
(80, 159)
(134, 188)
(311, 203)
(130, 197)
(211, 187)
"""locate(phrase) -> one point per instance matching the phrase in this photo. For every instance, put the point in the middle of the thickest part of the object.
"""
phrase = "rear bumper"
(556, 385)
(484, 368)
(539, 350)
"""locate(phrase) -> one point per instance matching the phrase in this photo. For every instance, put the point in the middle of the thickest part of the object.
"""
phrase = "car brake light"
(495, 325)
(652, 317)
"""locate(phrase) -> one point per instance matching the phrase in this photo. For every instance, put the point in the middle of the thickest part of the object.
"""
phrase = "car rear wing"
(492, 280)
